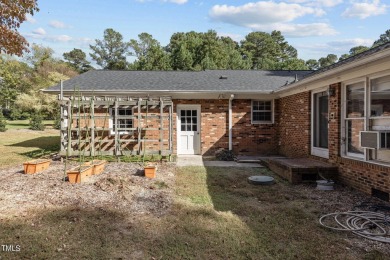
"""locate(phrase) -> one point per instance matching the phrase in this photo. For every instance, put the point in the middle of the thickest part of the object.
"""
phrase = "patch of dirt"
(121, 187)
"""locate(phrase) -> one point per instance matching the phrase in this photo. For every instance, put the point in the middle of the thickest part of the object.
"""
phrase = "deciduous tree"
(12, 15)
(328, 60)
(383, 38)
(312, 64)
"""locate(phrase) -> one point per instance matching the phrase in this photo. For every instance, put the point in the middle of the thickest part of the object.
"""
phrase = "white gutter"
(126, 92)
(230, 123)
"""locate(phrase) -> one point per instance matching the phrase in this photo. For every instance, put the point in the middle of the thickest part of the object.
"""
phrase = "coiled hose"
(368, 224)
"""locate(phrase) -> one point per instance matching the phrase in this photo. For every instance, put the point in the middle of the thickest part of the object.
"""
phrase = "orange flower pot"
(35, 166)
(79, 173)
(98, 166)
(150, 171)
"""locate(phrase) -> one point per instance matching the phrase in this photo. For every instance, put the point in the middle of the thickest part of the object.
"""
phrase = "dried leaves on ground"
(189, 212)
(121, 187)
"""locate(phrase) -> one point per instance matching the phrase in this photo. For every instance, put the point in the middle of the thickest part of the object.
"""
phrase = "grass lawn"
(19, 144)
(25, 124)
(215, 214)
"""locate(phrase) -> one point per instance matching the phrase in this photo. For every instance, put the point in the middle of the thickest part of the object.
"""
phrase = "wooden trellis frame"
(70, 105)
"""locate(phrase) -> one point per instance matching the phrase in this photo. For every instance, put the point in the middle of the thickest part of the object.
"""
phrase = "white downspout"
(230, 123)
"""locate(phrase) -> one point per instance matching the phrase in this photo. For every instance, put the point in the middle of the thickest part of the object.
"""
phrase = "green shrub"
(3, 122)
(57, 122)
(17, 114)
(224, 155)
(36, 122)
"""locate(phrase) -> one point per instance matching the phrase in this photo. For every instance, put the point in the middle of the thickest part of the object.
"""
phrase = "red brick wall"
(363, 176)
(294, 125)
(214, 123)
(252, 139)
(334, 136)
(247, 138)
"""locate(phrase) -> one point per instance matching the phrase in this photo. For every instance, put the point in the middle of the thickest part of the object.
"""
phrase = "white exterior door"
(188, 129)
(319, 123)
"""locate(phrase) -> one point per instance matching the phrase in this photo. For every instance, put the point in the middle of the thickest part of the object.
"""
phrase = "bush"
(57, 123)
(17, 114)
(3, 122)
(224, 155)
(36, 122)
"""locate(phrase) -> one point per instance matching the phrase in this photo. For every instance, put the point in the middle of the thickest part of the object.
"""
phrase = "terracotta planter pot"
(79, 173)
(35, 166)
(98, 166)
(150, 171)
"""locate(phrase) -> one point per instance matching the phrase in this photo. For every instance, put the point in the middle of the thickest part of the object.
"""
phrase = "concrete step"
(247, 159)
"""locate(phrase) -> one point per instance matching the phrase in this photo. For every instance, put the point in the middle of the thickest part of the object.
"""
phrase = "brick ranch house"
(318, 114)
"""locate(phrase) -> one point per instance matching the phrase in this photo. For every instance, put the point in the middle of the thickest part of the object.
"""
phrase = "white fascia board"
(175, 94)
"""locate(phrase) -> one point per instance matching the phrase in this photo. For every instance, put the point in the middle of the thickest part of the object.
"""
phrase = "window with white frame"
(379, 95)
(354, 118)
(262, 111)
(123, 122)
(367, 108)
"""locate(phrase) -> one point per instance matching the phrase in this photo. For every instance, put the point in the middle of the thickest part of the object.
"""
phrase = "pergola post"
(92, 118)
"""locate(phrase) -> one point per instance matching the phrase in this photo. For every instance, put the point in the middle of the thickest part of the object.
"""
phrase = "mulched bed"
(121, 186)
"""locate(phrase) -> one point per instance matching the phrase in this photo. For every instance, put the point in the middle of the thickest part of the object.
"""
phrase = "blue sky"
(314, 27)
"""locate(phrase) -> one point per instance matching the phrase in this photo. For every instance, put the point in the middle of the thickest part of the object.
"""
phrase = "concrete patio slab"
(197, 160)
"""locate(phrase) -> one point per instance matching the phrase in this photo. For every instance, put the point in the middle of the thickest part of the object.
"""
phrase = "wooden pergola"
(83, 125)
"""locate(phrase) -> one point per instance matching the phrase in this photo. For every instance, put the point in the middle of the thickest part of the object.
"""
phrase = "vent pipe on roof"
(223, 77)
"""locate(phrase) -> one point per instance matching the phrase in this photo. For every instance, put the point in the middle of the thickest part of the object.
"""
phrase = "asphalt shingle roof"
(186, 81)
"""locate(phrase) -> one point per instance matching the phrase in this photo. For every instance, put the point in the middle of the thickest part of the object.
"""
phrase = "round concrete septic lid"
(261, 180)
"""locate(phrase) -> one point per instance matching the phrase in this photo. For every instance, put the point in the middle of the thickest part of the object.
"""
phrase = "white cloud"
(298, 30)
(329, 3)
(365, 9)
(234, 37)
(39, 31)
(83, 42)
(261, 13)
(177, 1)
(49, 38)
(351, 42)
(61, 38)
(169, 1)
(30, 19)
(269, 16)
(319, 3)
(58, 24)
(337, 47)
